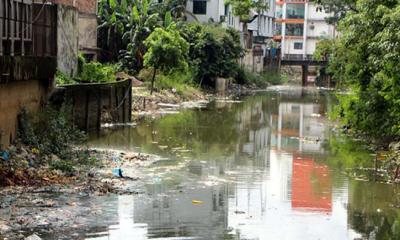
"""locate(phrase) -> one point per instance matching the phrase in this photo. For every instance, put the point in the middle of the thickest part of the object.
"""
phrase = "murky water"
(267, 167)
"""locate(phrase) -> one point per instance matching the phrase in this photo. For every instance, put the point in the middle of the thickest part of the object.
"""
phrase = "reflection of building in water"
(254, 135)
(175, 215)
(286, 135)
(297, 128)
(311, 186)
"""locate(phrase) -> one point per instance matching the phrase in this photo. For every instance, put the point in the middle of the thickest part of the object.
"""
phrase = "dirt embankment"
(169, 101)
(47, 199)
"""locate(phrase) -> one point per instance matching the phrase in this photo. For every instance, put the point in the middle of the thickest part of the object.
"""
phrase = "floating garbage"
(33, 237)
(117, 172)
(4, 156)
(115, 159)
(197, 202)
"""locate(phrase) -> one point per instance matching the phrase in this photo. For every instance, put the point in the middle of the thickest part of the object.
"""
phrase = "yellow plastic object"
(197, 202)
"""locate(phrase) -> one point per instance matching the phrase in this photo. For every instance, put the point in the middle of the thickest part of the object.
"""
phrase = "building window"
(294, 29)
(295, 11)
(298, 45)
(200, 7)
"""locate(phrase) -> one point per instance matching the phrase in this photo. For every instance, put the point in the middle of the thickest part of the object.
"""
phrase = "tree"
(242, 9)
(125, 24)
(213, 51)
(166, 51)
(367, 58)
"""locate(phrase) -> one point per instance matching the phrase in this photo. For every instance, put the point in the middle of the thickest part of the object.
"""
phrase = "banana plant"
(141, 22)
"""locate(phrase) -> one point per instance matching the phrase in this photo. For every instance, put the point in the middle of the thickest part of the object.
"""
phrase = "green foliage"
(245, 76)
(51, 131)
(125, 24)
(180, 81)
(324, 49)
(367, 59)
(92, 72)
(213, 50)
(63, 79)
(242, 8)
(95, 72)
(166, 50)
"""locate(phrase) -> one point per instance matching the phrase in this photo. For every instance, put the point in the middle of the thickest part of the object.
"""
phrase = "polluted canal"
(269, 166)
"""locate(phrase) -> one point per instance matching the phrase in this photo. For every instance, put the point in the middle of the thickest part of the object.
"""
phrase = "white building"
(299, 26)
(205, 11)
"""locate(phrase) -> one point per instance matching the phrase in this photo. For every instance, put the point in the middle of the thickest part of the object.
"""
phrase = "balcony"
(27, 40)
(296, 30)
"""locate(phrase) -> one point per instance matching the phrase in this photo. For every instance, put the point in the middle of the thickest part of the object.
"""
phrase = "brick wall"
(87, 6)
(84, 6)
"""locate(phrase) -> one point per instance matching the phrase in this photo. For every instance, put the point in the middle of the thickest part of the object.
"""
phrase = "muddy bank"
(170, 102)
(59, 201)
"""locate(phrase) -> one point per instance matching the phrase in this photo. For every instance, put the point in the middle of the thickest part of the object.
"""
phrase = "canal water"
(269, 166)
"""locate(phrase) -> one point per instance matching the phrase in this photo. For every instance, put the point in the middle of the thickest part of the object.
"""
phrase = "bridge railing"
(297, 57)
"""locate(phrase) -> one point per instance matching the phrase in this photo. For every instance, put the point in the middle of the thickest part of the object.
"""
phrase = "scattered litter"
(117, 172)
(33, 237)
(4, 156)
(197, 202)
(240, 212)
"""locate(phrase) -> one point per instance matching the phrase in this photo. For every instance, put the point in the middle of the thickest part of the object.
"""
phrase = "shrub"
(166, 51)
(244, 76)
(51, 131)
(213, 52)
(95, 72)
(182, 82)
(63, 79)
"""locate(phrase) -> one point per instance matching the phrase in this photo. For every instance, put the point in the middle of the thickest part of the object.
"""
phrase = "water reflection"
(266, 168)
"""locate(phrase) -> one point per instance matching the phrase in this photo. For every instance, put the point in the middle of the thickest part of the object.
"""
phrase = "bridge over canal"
(304, 62)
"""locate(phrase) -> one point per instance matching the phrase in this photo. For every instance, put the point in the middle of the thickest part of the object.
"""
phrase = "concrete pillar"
(283, 42)
(304, 74)
(305, 29)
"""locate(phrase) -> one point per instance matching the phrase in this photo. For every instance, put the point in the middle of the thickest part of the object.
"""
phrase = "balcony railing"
(27, 29)
(28, 36)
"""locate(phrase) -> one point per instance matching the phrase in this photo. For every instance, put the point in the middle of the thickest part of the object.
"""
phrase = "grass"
(179, 82)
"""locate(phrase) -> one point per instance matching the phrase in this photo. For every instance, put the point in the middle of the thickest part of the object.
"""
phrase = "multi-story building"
(28, 60)
(260, 27)
(300, 24)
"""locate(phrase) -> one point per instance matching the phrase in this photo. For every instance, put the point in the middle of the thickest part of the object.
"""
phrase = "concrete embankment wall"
(94, 104)
(14, 96)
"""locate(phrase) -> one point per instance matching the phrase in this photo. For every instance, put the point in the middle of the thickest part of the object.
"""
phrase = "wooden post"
(130, 102)
(376, 167)
(304, 74)
(123, 105)
(98, 125)
(87, 110)
(116, 102)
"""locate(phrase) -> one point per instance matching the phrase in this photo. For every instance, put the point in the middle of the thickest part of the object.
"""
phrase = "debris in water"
(197, 202)
(117, 172)
(240, 212)
(4, 156)
(33, 237)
